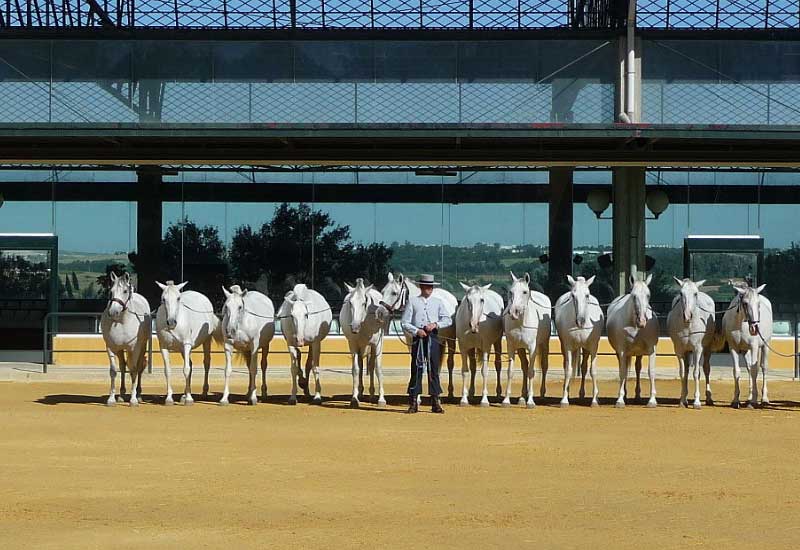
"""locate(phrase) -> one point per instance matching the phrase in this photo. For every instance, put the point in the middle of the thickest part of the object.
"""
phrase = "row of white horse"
(185, 320)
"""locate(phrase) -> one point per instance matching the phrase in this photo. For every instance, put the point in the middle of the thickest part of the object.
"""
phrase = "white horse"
(747, 326)
(479, 327)
(125, 324)
(364, 322)
(248, 324)
(632, 329)
(185, 320)
(579, 323)
(526, 324)
(305, 321)
(691, 327)
(395, 297)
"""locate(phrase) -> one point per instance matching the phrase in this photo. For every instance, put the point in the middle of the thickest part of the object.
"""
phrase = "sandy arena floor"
(76, 474)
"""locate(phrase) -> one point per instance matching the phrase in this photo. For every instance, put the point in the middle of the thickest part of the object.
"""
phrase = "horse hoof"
(168, 401)
(484, 403)
(111, 403)
(354, 403)
(506, 403)
(620, 404)
(188, 402)
(750, 406)
(317, 400)
(120, 399)
(564, 404)
(292, 401)
(464, 402)
(652, 404)
(530, 405)
(223, 403)
(134, 403)
(595, 403)
(521, 402)
(696, 405)
(765, 404)
(253, 402)
(381, 403)
(735, 405)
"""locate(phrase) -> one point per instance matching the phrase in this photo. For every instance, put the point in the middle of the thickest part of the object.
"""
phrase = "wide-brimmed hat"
(426, 279)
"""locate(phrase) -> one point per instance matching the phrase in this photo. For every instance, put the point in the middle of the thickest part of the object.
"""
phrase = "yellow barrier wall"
(89, 350)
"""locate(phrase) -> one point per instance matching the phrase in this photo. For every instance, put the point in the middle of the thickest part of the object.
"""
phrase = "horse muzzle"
(299, 342)
(641, 322)
(172, 323)
(753, 329)
(355, 329)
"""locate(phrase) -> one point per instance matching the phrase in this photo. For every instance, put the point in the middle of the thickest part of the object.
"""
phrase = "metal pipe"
(630, 63)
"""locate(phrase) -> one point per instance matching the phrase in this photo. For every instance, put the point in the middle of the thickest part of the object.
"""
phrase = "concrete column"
(628, 225)
(148, 234)
(560, 232)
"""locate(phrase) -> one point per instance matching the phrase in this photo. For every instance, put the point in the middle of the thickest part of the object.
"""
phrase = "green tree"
(75, 284)
(68, 287)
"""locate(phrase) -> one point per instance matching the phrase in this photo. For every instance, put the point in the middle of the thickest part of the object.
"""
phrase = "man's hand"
(421, 333)
(430, 327)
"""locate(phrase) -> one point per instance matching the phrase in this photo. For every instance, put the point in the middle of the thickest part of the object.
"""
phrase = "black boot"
(412, 405)
(436, 405)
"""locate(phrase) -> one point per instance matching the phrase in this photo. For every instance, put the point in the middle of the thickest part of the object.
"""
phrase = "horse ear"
(225, 291)
(183, 284)
(513, 277)
(348, 287)
(113, 276)
(127, 277)
(390, 277)
(465, 287)
(161, 286)
(370, 287)
(759, 289)
(401, 278)
(527, 278)
(678, 281)
(590, 280)
(648, 279)
(739, 290)
(570, 280)
(700, 283)
(631, 279)
(487, 287)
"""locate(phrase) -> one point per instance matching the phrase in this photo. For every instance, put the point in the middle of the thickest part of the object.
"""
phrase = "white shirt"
(421, 311)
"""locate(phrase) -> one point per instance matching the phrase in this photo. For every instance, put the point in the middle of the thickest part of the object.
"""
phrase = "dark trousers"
(429, 349)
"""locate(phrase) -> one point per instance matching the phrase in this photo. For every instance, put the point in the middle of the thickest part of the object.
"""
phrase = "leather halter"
(124, 304)
(393, 306)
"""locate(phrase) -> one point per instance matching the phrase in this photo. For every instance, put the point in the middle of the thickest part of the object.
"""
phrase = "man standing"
(423, 317)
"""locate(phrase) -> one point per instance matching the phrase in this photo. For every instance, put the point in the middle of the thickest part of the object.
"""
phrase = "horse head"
(640, 297)
(120, 294)
(359, 300)
(475, 298)
(749, 305)
(395, 293)
(579, 295)
(688, 296)
(298, 315)
(518, 295)
(233, 310)
(171, 300)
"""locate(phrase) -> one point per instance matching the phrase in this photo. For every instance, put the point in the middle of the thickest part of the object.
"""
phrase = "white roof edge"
(723, 236)
(27, 234)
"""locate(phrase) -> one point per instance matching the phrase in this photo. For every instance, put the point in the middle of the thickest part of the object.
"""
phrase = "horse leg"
(228, 369)
(473, 355)
(485, 376)
(707, 372)
(764, 361)
(683, 371)
(356, 372)
(206, 364)
(167, 371)
(451, 362)
(638, 364)
(360, 375)
(529, 403)
(112, 372)
(696, 374)
(252, 366)
(544, 356)
(465, 360)
(525, 364)
(584, 368)
(567, 376)
(264, 355)
(498, 365)
(315, 353)
(593, 369)
(371, 356)
(309, 367)
(295, 362)
(379, 371)
(507, 396)
(186, 398)
(651, 374)
(123, 367)
(752, 364)
(737, 372)
(624, 363)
